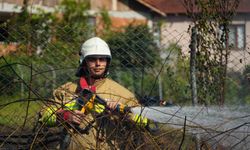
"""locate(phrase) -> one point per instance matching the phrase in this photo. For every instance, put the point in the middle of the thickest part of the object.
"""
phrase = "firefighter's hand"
(72, 117)
(77, 117)
(111, 104)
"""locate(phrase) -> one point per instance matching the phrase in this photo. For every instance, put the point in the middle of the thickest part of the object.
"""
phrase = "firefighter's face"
(96, 66)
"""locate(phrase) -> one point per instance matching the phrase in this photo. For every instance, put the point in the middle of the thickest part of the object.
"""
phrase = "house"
(176, 24)
(10, 7)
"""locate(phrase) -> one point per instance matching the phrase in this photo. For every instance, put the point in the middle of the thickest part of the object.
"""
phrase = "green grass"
(15, 114)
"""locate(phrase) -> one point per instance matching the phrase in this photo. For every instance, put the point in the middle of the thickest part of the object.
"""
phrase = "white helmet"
(94, 47)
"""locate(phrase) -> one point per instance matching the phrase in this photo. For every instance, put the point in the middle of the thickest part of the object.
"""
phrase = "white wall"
(175, 29)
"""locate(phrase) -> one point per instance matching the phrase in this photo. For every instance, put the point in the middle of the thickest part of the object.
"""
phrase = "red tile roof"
(165, 7)
(244, 6)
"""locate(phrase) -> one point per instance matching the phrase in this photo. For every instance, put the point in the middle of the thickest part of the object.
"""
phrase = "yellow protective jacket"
(105, 133)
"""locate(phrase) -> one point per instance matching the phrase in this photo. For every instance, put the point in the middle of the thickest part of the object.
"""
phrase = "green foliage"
(123, 76)
(176, 76)
(238, 87)
(247, 100)
(15, 114)
(42, 41)
(74, 21)
(73, 11)
(31, 30)
(134, 47)
(245, 85)
(134, 51)
(106, 20)
(232, 90)
(8, 81)
(17, 78)
(10, 74)
(211, 54)
(34, 32)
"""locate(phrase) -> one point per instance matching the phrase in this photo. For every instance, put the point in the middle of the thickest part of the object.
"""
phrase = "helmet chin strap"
(97, 77)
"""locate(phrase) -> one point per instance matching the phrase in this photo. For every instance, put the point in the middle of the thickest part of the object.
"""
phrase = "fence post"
(160, 88)
(22, 85)
(53, 77)
(192, 47)
(142, 80)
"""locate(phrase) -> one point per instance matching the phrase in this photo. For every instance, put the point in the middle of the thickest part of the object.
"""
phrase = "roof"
(165, 7)
(244, 6)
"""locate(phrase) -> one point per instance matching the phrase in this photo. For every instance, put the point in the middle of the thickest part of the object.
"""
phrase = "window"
(236, 36)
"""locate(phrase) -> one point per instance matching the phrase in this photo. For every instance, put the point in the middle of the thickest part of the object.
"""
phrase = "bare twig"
(183, 135)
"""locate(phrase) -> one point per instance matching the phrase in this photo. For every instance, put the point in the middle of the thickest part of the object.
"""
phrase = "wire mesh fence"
(42, 59)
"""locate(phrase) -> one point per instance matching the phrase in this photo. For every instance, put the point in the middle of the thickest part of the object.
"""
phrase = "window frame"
(236, 34)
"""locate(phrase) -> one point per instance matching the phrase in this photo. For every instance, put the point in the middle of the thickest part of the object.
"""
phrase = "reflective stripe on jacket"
(106, 88)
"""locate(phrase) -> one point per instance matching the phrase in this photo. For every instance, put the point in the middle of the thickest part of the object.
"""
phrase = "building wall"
(7, 48)
(174, 30)
(120, 13)
(239, 59)
(112, 5)
(14, 6)
(49, 3)
(18, 2)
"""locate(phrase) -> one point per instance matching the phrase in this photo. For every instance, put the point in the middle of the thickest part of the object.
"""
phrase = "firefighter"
(95, 59)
